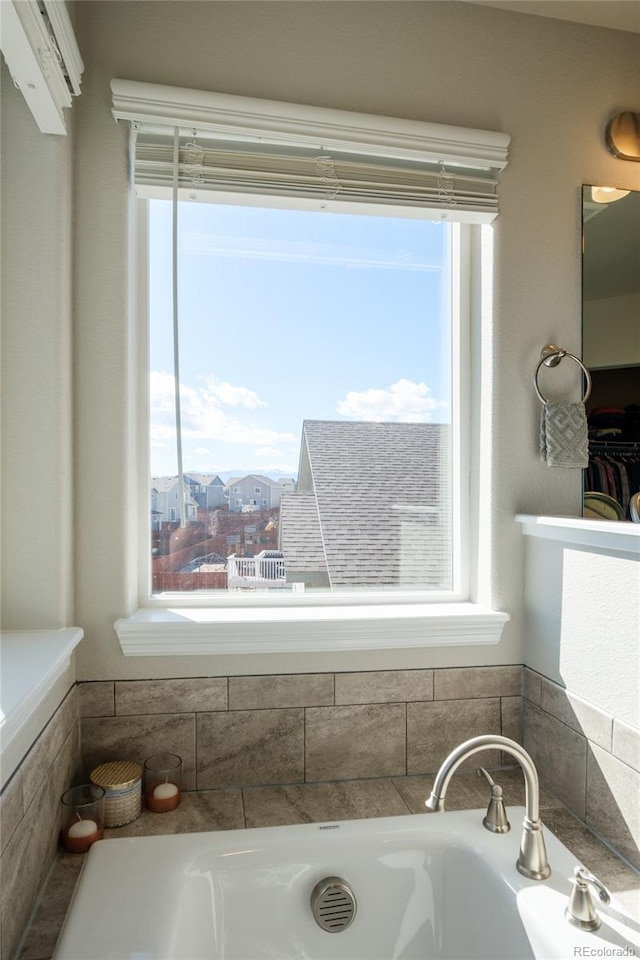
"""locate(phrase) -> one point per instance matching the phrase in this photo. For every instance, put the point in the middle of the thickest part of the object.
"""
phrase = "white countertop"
(31, 664)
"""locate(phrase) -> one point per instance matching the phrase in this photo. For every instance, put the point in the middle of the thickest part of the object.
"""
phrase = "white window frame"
(185, 625)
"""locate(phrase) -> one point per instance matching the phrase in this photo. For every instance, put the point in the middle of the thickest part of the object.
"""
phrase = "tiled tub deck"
(229, 809)
(261, 750)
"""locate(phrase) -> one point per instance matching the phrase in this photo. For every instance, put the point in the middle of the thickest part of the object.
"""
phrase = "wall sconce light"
(607, 194)
(622, 136)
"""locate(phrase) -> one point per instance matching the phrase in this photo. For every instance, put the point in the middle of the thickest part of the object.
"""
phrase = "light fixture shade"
(607, 194)
(622, 136)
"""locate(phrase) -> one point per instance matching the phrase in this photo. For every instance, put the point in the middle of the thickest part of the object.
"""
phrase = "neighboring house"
(165, 502)
(207, 490)
(371, 507)
(256, 492)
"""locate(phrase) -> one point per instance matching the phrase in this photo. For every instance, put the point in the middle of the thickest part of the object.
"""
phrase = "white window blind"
(243, 146)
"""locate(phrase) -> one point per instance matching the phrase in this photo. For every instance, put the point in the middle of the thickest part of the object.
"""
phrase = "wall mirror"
(611, 348)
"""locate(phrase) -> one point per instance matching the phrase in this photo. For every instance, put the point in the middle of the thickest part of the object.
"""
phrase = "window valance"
(314, 155)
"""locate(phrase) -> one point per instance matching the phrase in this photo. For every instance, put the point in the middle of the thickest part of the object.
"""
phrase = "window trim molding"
(181, 631)
(188, 626)
(155, 107)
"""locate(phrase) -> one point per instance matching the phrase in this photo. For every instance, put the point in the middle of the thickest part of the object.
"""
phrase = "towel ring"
(551, 357)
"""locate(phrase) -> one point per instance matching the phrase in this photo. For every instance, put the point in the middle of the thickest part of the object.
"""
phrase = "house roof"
(204, 479)
(163, 484)
(379, 490)
(253, 476)
(300, 530)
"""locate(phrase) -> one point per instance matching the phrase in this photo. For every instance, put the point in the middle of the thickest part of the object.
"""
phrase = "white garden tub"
(427, 887)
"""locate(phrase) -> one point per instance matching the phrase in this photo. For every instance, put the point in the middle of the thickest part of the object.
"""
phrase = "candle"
(80, 835)
(164, 791)
(162, 798)
(82, 828)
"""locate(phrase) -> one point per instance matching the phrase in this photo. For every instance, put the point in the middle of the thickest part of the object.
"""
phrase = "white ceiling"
(616, 14)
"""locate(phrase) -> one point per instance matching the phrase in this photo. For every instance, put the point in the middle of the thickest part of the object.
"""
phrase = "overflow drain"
(333, 904)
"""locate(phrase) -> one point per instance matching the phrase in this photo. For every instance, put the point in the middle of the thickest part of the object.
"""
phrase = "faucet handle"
(496, 817)
(581, 911)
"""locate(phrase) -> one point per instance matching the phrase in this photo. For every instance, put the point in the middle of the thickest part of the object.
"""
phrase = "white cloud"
(203, 413)
(404, 401)
(230, 396)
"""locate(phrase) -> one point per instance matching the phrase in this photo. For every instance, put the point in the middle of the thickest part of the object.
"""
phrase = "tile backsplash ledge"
(293, 729)
(241, 731)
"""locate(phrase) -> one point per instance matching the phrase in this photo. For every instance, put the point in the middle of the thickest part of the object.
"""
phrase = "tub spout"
(532, 861)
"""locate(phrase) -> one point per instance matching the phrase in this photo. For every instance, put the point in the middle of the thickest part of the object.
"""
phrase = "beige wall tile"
(626, 744)
(467, 683)
(295, 690)
(25, 863)
(318, 802)
(531, 685)
(511, 715)
(142, 697)
(560, 755)
(613, 802)
(31, 818)
(35, 766)
(384, 686)
(97, 699)
(45, 927)
(580, 715)
(199, 811)
(435, 729)
(11, 808)
(245, 747)
(139, 737)
(344, 743)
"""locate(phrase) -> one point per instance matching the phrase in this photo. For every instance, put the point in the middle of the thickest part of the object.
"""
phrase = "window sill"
(34, 681)
(183, 632)
(618, 536)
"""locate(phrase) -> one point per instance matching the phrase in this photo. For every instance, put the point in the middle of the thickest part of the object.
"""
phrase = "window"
(352, 401)
(322, 325)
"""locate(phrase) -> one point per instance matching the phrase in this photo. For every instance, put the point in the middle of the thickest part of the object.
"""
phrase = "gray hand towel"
(564, 438)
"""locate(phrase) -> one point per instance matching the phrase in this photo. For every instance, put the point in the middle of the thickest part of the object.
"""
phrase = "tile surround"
(594, 765)
(386, 686)
(363, 740)
(260, 749)
(316, 802)
(31, 818)
(290, 729)
(323, 802)
(139, 737)
(563, 769)
(247, 747)
(435, 729)
(134, 697)
(283, 729)
(290, 690)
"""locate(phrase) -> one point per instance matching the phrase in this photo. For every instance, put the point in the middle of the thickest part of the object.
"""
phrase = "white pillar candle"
(164, 791)
(82, 828)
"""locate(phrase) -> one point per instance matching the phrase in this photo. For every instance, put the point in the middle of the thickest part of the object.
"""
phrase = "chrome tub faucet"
(581, 911)
(532, 861)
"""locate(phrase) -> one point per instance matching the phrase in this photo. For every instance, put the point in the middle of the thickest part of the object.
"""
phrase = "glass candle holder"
(162, 782)
(82, 817)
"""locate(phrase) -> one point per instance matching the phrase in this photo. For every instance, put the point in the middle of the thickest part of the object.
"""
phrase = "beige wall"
(37, 474)
(550, 85)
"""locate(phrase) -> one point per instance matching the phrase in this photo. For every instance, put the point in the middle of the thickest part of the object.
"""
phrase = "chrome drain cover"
(333, 904)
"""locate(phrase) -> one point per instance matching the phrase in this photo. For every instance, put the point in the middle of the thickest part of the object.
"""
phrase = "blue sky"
(288, 315)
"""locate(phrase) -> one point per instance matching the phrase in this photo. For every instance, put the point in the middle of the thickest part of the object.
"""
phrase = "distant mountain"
(226, 475)
(244, 472)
